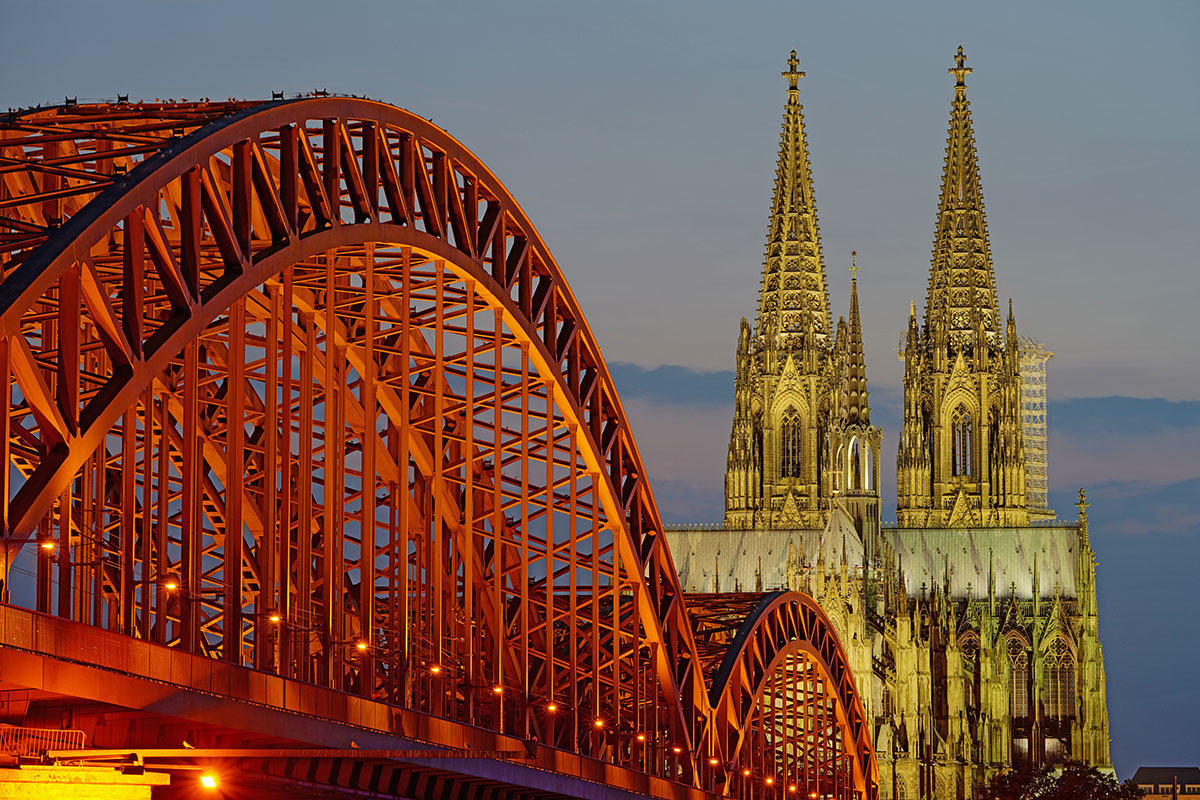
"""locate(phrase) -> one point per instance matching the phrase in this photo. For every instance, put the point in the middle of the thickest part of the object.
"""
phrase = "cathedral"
(971, 624)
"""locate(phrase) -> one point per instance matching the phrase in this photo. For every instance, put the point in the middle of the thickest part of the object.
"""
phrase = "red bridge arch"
(297, 386)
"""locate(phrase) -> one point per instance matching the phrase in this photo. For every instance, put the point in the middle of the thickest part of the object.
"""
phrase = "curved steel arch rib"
(780, 649)
(310, 361)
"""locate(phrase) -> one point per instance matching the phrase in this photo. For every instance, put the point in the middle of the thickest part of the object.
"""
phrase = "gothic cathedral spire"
(794, 302)
(856, 406)
(801, 426)
(857, 442)
(962, 285)
(961, 459)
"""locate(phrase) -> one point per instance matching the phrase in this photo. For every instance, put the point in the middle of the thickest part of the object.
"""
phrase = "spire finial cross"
(960, 71)
(792, 74)
(1082, 504)
(853, 265)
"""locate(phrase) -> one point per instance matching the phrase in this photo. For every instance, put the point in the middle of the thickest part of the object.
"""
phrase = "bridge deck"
(92, 670)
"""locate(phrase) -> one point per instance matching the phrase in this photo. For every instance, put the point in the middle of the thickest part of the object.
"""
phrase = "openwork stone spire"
(961, 459)
(855, 398)
(801, 433)
(962, 285)
(794, 302)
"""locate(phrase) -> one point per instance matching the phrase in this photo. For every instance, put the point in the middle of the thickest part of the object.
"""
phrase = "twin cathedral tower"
(971, 625)
(802, 429)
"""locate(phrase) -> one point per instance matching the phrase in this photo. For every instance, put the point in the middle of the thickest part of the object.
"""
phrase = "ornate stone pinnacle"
(792, 74)
(961, 71)
(1082, 504)
(853, 265)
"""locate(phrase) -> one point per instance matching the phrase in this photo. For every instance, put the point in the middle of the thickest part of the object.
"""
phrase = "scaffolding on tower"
(1034, 356)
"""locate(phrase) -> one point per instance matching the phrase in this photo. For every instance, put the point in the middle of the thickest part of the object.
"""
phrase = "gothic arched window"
(790, 431)
(756, 440)
(867, 468)
(1018, 696)
(823, 447)
(930, 445)
(854, 466)
(993, 448)
(968, 645)
(1060, 681)
(960, 442)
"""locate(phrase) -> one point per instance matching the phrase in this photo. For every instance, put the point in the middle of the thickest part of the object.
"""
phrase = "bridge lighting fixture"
(209, 781)
(714, 761)
(435, 669)
(497, 689)
(769, 781)
(812, 795)
(792, 788)
(170, 584)
(746, 772)
(641, 737)
(361, 646)
(47, 544)
(552, 707)
(599, 723)
(676, 749)
(275, 617)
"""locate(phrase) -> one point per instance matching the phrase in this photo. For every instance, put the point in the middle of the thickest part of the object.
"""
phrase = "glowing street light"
(209, 781)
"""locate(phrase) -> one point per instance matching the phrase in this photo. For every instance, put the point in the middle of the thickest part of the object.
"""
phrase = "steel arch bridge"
(305, 424)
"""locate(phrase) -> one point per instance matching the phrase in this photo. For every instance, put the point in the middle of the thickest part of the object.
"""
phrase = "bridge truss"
(296, 387)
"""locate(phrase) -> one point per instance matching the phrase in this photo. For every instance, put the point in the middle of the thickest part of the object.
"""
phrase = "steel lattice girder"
(238, 336)
(763, 641)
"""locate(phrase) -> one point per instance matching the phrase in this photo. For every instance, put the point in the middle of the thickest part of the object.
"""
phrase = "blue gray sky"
(641, 138)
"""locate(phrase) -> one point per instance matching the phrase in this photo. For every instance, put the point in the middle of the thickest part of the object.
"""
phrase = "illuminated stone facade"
(972, 633)
(802, 419)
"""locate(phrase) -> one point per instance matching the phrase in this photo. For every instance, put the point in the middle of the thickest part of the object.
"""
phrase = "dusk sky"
(641, 137)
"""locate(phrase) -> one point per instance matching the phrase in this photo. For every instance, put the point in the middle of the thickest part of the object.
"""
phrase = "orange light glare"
(208, 781)
(746, 772)
(275, 618)
(641, 737)
(714, 761)
(435, 669)
(769, 781)
(47, 545)
(599, 723)
(170, 585)
(552, 708)
(812, 794)
(792, 788)
(361, 646)
(497, 689)
(676, 749)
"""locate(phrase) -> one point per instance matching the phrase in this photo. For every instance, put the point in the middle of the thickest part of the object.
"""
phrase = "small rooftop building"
(1167, 783)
